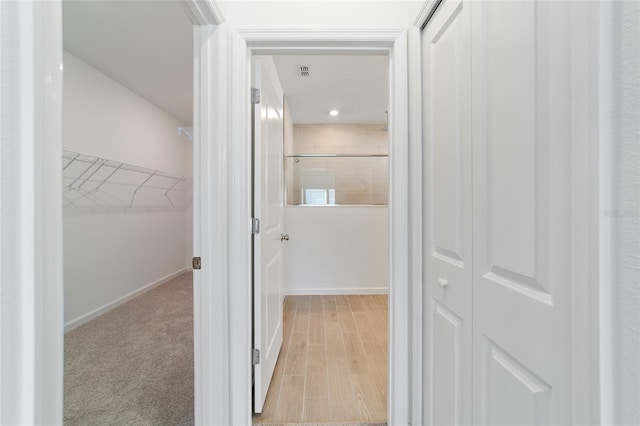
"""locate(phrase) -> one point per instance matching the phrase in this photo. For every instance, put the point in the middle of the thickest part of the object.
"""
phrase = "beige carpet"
(134, 364)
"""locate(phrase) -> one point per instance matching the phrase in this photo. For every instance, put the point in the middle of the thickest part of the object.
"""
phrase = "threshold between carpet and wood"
(134, 364)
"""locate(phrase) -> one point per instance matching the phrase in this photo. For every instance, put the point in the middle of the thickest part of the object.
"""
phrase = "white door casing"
(210, 223)
(447, 213)
(392, 42)
(269, 209)
(37, 31)
(522, 212)
(31, 279)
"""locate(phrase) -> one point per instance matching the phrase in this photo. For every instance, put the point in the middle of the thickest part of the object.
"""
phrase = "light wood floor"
(333, 362)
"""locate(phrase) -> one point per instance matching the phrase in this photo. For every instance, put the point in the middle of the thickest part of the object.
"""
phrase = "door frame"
(405, 337)
(210, 218)
(31, 283)
(588, 143)
(210, 308)
(32, 290)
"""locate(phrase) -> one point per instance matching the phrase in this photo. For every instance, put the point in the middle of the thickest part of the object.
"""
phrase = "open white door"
(268, 209)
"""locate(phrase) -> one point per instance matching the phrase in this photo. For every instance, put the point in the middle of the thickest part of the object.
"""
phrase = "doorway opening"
(127, 176)
(323, 339)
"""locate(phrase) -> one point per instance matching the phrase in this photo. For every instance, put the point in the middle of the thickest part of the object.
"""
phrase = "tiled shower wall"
(355, 180)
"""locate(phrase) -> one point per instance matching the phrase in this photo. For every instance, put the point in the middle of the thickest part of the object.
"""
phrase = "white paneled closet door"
(497, 192)
(448, 215)
(522, 210)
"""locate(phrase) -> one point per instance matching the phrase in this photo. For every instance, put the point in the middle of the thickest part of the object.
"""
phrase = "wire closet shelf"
(96, 183)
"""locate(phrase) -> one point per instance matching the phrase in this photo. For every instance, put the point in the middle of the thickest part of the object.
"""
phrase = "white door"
(498, 203)
(268, 208)
(447, 187)
(521, 207)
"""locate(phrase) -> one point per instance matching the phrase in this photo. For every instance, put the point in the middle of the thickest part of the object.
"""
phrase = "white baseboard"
(334, 291)
(111, 305)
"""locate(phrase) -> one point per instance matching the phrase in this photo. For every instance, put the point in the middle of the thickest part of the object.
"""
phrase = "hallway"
(512, 222)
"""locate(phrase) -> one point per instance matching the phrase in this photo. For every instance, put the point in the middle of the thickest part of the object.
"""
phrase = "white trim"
(83, 319)
(416, 215)
(203, 12)
(48, 256)
(399, 250)
(602, 186)
(239, 206)
(31, 293)
(333, 291)
(210, 125)
(393, 42)
(586, 31)
(426, 12)
(272, 40)
(210, 226)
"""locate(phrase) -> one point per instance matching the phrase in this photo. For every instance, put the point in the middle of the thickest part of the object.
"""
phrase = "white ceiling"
(144, 45)
(147, 47)
(356, 86)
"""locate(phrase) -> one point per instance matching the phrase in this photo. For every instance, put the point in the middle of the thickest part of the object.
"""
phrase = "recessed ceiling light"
(334, 112)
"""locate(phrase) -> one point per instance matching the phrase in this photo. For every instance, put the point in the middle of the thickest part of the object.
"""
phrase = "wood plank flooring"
(333, 362)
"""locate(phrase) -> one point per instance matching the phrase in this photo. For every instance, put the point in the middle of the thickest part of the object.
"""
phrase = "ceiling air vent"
(303, 71)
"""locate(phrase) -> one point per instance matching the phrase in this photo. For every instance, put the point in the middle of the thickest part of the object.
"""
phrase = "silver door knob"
(442, 282)
(284, 237)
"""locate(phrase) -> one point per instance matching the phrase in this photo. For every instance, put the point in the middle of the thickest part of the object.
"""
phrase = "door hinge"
(255, 358)
(196, 263)
(255, 225)
(255, 96)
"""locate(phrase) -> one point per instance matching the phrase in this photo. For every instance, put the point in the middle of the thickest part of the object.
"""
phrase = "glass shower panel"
(337, 179)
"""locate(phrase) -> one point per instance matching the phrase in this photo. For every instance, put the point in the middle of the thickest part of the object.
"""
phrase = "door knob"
(442, 282)
(284, 237)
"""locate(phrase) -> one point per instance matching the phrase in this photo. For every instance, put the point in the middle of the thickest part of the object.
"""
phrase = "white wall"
(336, 250)
(107, 255)
(625, 216)
(103, 118)
(321, 13)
